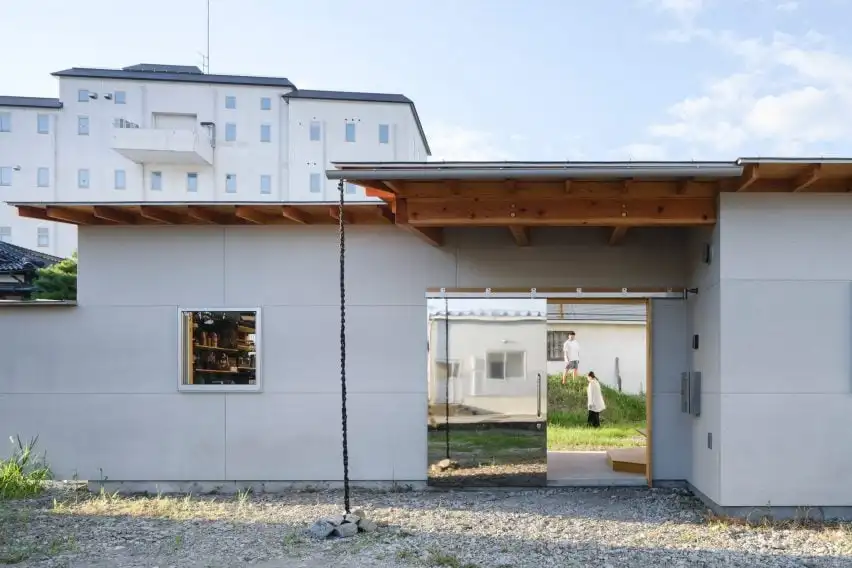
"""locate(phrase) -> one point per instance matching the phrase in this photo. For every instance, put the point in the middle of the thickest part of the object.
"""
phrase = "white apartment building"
(167, 133)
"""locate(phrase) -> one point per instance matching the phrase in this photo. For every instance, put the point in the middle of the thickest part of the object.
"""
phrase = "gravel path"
(477, 529)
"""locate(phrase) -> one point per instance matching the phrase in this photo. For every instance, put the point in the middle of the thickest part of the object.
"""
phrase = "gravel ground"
(473, 529)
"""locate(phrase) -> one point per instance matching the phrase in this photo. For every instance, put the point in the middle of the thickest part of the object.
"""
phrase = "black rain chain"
(342, 250)
(449, 374)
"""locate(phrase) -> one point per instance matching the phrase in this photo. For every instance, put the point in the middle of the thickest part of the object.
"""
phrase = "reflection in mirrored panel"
(487, 388)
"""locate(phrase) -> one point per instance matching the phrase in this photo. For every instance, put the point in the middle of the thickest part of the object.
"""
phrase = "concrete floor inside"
(587, 468)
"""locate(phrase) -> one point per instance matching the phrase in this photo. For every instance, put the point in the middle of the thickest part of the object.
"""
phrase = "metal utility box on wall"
(690, 393)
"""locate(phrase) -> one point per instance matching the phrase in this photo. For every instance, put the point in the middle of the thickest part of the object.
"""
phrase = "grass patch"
(568, 413)
(24, 473)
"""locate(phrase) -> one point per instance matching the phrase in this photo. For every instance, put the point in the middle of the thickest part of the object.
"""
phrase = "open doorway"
(598, 367)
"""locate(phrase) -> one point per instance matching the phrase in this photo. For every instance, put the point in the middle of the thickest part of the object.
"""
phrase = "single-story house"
(18, 269)
(612, 341)
(203, 348)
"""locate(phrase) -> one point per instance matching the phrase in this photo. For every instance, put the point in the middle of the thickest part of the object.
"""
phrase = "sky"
(500, 79)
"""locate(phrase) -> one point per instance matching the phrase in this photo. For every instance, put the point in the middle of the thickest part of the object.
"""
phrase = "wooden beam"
(386, 213)
(114, 215)
(568, 186)
(521, 235)
(434, 235)
(750, 175)
(252, 215)
(682, 186)
(33, 213)
(553, 189)
(334, 213)
(72, 216)
(295, 215)
(205, 215)
(569, 212)
(617, 235)
(160, 215)
(809, 177)
(380, 193)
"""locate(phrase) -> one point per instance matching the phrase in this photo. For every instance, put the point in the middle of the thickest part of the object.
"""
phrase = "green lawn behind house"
(567, 413)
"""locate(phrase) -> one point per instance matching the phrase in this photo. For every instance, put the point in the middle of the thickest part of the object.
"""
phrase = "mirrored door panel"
(487, 388)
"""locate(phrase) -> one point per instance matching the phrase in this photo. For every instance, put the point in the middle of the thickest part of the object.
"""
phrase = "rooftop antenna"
(205, 58)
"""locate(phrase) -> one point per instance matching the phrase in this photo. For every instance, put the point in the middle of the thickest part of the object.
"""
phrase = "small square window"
(384, 134)
(266, 184)
(230, 183)
(230, 132)
(316, 183)
(265, 103)
(350, 187)
(83, 96)
(83, 125)
(157, 181)
(350, 132)
(5, 175)
(265, 133)
(234, 364)
(192, 182)
(5, 234)
(43, 237)
(230, 102)
(315, 131)
(120, 180)
(5, 122)
(43, 177)
(83, 179)
(43, 124)
(120, 97)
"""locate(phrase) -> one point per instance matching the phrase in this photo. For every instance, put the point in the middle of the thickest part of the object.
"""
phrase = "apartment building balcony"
(162, 145)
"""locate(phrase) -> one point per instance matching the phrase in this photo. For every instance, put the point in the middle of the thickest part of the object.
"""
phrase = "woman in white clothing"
(596, 401)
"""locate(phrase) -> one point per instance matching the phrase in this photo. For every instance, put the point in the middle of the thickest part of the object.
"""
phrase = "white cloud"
(451, 142)
(792, 95)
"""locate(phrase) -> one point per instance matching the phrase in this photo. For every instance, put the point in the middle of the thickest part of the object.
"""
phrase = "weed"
(23, 474)
(243, 497)
(439, 558)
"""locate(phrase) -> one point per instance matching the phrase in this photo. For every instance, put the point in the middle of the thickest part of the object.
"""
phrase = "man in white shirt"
(571, 351)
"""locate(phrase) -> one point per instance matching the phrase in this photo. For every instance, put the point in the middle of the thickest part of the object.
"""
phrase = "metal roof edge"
(375, 202)
(804, 160)
(15, 101)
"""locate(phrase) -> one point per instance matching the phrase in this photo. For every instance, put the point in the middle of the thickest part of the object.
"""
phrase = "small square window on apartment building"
(192, 182)
(43, 124)
(157, 181)
(43, 237)
(43, 177)
(265, 133)
(120, 97)
(315, 131)
(5, 175)
(316, 183)
(5, 122)
(230, 183)
(230, 132)
(265, 103)
(231, 102)
(266, 184)
(350, 187)
(384, 134)
(83, 125)
(5, 234)
(83, 95)
(120, 180)
(350, 132)
(83, 179)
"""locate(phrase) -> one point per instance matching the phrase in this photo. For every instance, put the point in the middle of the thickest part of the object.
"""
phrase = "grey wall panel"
(571, 257)
(126, 436)
(386, 349)
(671, 429)
(151, 266)
(98, 349)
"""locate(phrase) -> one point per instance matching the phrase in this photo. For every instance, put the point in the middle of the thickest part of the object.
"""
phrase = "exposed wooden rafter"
(68, 215)
(521, 235)
(114, 215)
(433, 236)
(205, 215)
(295, 215)
(751, 174)
(160, 215)
(808, 178)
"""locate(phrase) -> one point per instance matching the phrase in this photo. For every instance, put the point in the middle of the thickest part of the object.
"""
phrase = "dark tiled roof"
(174, 73)
(19, 259)
(30, 102)
(364, 98)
